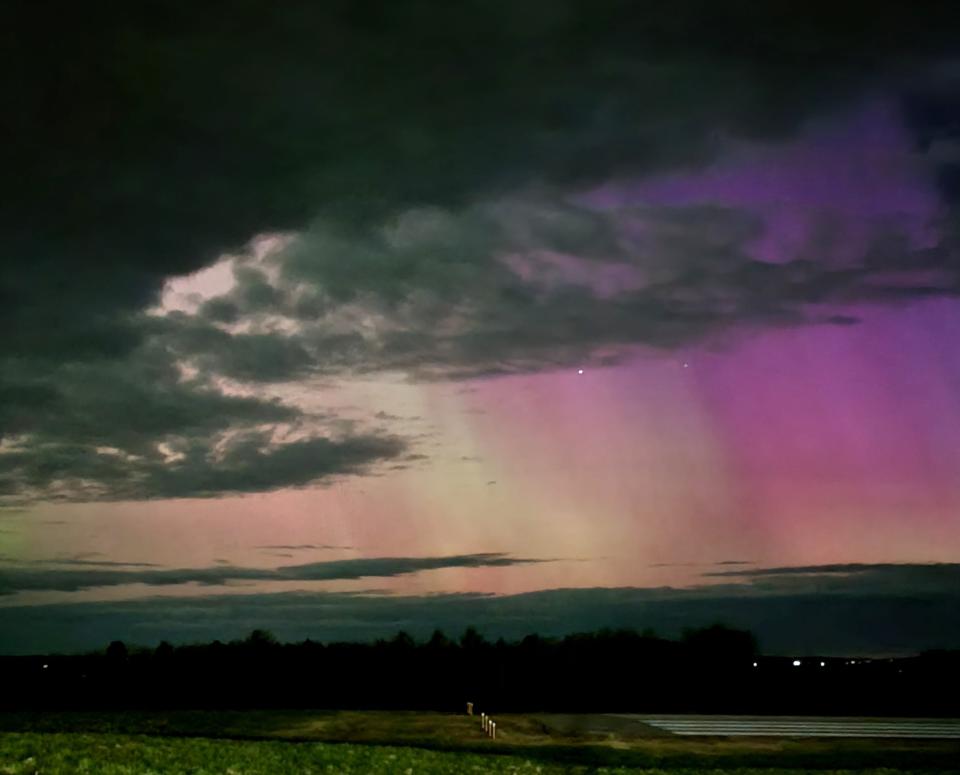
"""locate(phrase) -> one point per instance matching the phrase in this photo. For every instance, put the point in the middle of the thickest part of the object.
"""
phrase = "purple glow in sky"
(619, 328)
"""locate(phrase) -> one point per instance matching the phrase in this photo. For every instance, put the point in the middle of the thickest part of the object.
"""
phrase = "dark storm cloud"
(14, 580)
(147, 139)
(259, 357)
(932, 109)
(252, 463)
(517, 285)
(196, 467)
(859, 619)
(139, 429)
(119, 403)
(842, 578)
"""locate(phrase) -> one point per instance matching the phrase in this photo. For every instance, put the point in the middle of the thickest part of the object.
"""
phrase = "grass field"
(62, 753)
(377, 742)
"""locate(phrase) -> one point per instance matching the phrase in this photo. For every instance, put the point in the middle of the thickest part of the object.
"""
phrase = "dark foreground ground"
(373, 742)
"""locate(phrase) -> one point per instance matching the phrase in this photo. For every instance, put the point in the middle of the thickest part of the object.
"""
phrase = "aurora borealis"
(348, 319)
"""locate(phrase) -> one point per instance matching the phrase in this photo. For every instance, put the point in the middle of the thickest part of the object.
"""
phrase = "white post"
(493, 733)
(483, 721)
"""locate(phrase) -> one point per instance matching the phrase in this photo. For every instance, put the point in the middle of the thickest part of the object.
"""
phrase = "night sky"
(341, 318)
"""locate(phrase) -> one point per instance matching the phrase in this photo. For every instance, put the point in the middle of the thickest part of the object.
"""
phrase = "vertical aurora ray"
(843, 440)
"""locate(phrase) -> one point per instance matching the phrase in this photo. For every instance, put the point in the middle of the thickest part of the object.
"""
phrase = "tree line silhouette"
(708, 670)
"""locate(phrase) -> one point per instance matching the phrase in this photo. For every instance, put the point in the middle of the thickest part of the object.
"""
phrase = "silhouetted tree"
(403, 641)
(439, 640)
(719, 643)
(472, 639)
(261, 639)
(709, 670)
(117, 652)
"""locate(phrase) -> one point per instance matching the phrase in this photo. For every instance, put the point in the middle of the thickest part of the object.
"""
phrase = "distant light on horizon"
(796, 663)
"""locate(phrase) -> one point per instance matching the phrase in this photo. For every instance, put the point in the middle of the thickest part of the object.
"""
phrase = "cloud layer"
(528, 283)
(428, 162)
(138, 429)
(14, 579)
(890, 609)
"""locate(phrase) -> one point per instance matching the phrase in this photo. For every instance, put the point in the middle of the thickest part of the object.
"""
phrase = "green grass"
(280, 741)
(53, 753)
